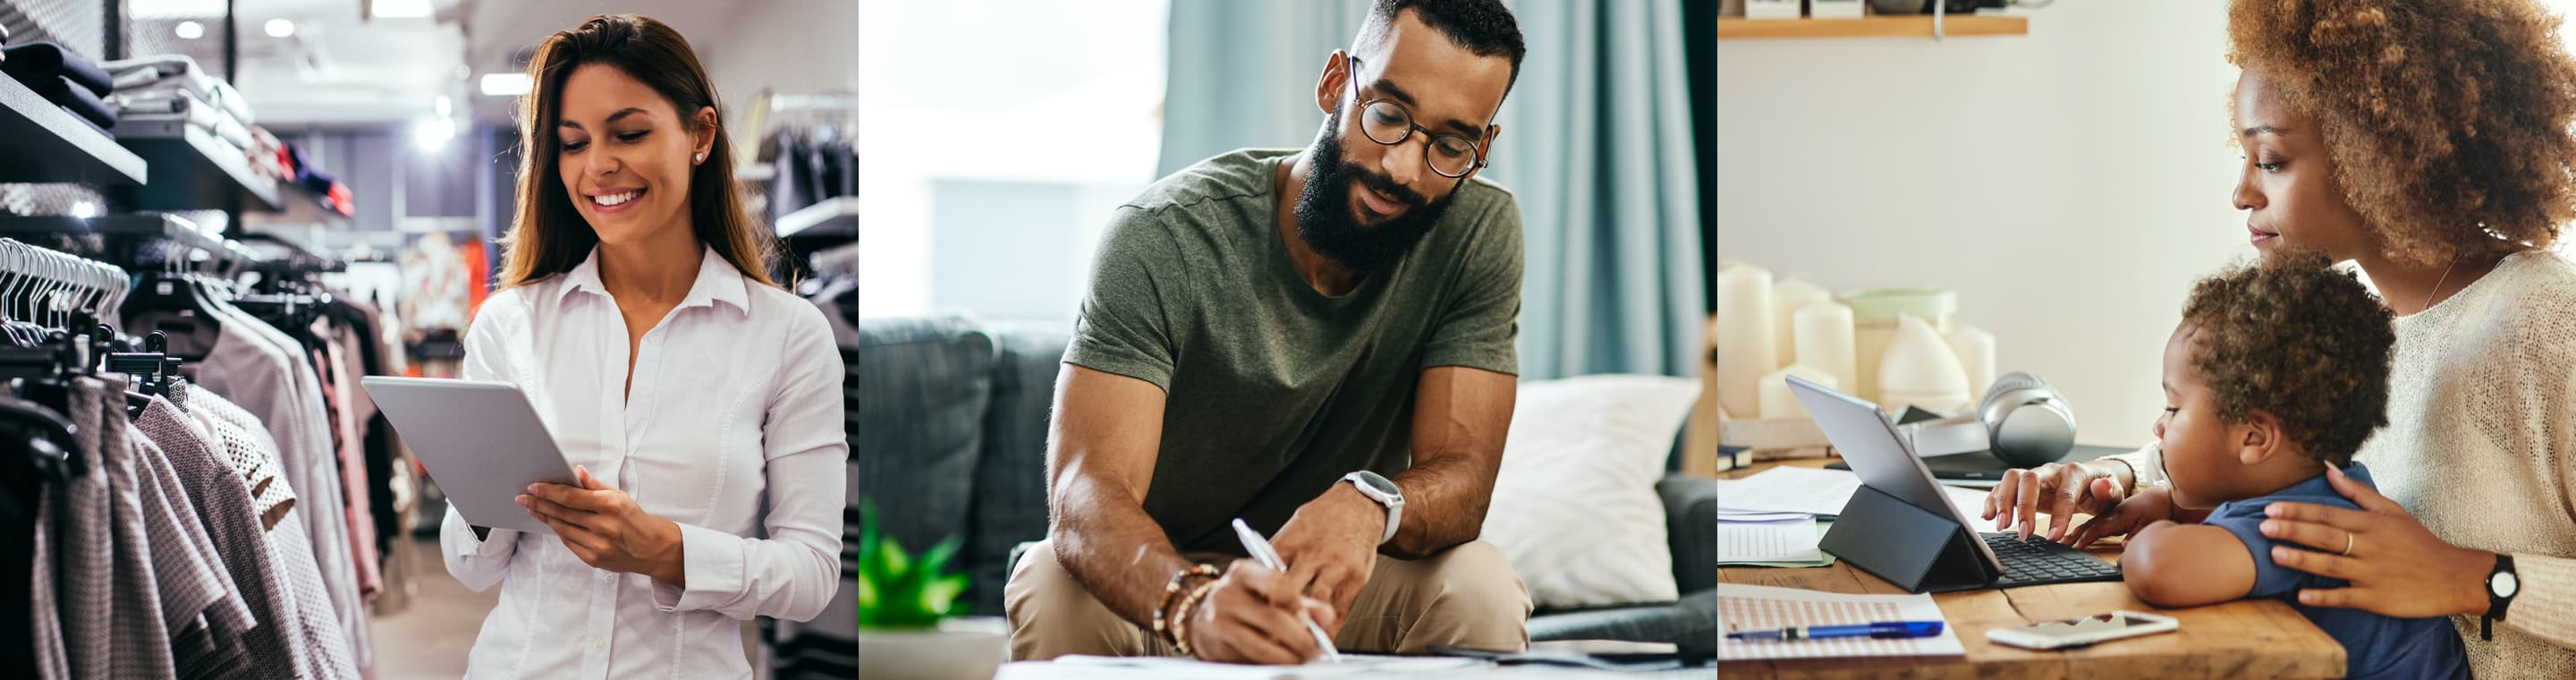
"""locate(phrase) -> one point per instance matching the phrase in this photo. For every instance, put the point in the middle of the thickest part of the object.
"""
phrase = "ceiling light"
(432, 134)
(84, 210)
(279, 28)
(506, 84)
(173, 9)
(402, 9)
(189, 30)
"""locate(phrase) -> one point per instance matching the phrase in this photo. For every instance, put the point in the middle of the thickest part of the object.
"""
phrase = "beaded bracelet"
(1173, 588)
(1181, 626)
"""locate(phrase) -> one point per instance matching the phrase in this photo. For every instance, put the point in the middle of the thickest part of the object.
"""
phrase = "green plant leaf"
(941, 594)
(899, 590)
(870, 600)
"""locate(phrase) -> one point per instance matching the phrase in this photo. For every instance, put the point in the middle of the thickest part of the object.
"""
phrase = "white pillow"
(1575, 508)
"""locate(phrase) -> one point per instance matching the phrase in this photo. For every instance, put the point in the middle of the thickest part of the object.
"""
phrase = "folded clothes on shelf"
(77, 100)
(181, 105)
(268, 156)
(177, 71)
(35, 62)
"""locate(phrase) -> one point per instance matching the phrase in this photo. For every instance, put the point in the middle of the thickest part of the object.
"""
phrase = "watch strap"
(2496, 604)
(1359, 481)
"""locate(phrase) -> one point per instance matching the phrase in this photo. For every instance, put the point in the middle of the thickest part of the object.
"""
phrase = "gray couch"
(950, 435)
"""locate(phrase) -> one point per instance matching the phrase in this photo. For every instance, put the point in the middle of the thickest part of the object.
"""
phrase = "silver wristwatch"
(1378, 489)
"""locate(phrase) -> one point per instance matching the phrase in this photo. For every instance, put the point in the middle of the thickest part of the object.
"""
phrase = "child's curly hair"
(2299, 339)
(2447, 120)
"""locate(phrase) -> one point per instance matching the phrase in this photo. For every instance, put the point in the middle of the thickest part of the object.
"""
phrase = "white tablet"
(480, 440)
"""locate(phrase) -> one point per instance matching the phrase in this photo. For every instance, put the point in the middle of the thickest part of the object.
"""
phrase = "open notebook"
(1746, 607)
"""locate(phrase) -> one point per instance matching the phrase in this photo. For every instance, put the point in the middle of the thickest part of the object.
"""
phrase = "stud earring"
(702, 158)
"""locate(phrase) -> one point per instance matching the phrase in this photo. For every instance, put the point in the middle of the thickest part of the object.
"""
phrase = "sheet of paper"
(1748, 607)
(1789, 488)
(1972, 505)
(1792, 540)
(1352, 665)
(1725, 515)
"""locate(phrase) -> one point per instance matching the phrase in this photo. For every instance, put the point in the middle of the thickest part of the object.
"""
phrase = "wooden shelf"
(49, 144)
(1870, 27)
(193, 170)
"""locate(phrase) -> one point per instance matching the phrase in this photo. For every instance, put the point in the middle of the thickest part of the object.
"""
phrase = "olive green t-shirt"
(1275, 391)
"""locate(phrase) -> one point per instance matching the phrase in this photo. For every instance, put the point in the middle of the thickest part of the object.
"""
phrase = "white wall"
(789, 46)
(969, 93)
(2069, 184)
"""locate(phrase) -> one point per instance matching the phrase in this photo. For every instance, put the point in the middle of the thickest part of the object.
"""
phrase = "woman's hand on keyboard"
(2151, 505)
(2059, 490)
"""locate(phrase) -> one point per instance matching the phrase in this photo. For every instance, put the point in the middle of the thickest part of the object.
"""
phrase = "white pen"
(1269, 557)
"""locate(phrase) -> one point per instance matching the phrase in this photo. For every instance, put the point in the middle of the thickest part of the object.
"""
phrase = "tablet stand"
(1916, 549)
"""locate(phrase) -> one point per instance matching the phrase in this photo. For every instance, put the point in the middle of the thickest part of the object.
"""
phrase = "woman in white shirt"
(2445, 168)
(700, 402)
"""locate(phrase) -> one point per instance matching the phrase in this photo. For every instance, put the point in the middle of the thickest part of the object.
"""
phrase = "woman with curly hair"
(2429, 143)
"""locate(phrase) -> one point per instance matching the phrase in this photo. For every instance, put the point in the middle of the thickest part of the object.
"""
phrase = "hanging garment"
(85, 556)
(202, 607)
(259, 367)
(137, 640)
(339, 391)
(232, 521)
(290, 546)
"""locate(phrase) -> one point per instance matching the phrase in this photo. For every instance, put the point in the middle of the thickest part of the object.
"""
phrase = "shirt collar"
(718, 281)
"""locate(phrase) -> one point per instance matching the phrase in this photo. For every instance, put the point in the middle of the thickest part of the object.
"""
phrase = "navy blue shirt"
(2374, 646)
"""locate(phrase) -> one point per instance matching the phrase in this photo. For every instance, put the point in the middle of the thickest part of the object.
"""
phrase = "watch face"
(1376, 483)
(2503, 584)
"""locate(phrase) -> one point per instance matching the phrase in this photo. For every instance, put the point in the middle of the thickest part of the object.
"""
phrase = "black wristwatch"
(2502, 585)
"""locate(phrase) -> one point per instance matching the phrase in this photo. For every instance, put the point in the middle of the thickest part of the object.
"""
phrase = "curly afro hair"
(2299, 339)
(2449, 121)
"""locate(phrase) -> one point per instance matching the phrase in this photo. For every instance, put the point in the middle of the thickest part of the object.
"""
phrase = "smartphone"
(2084, 631)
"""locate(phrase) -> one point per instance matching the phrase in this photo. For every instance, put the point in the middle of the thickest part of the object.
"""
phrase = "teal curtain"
(1242, 74)
(1597, 147)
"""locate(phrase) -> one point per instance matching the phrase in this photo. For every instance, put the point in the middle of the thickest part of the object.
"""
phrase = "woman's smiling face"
(2288, 185)
(624, 155)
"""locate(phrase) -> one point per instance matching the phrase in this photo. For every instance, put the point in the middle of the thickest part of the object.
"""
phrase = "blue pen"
(1882, 629)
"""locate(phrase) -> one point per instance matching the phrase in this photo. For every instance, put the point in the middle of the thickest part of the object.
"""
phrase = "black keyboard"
(2039, 561)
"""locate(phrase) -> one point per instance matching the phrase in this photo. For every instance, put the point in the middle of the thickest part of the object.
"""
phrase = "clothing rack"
(314, 467)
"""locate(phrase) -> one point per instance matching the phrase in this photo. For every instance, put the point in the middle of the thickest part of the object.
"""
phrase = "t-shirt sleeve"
(1125, 323)
(2245, 520)
(1481, 318)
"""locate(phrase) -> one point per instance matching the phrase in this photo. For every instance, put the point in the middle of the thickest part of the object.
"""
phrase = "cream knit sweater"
(2481, 446)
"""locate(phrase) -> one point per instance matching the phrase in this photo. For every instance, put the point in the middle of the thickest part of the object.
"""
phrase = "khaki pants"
(1467, 595)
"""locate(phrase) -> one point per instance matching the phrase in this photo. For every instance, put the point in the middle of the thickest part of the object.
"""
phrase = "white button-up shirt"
(733, 430)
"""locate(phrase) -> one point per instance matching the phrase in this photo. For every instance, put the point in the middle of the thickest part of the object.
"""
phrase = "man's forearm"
(1445, 497)
(1104, 539)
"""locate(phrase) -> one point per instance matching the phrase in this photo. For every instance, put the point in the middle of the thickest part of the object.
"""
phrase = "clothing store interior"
(216, 217)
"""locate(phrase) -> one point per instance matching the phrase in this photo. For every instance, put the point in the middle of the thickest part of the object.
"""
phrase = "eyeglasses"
(1386, 122)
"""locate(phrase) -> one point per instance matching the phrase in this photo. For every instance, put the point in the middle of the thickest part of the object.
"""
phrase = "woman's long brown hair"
(549, 236)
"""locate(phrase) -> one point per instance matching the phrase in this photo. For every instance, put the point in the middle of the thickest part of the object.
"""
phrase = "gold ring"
(2347, 544)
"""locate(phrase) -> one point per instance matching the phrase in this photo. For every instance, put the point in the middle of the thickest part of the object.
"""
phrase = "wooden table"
(2246, 639)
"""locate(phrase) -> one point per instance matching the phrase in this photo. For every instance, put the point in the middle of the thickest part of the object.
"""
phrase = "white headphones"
(2022, 420)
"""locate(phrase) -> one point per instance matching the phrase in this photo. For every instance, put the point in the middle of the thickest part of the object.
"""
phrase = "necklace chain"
(2437, 284)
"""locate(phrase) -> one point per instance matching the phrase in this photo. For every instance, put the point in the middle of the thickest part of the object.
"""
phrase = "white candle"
(1976, 350)
(1787, 297)
(1744, 339)
(1778, 401)
(1919, 370)
(1824, 341)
